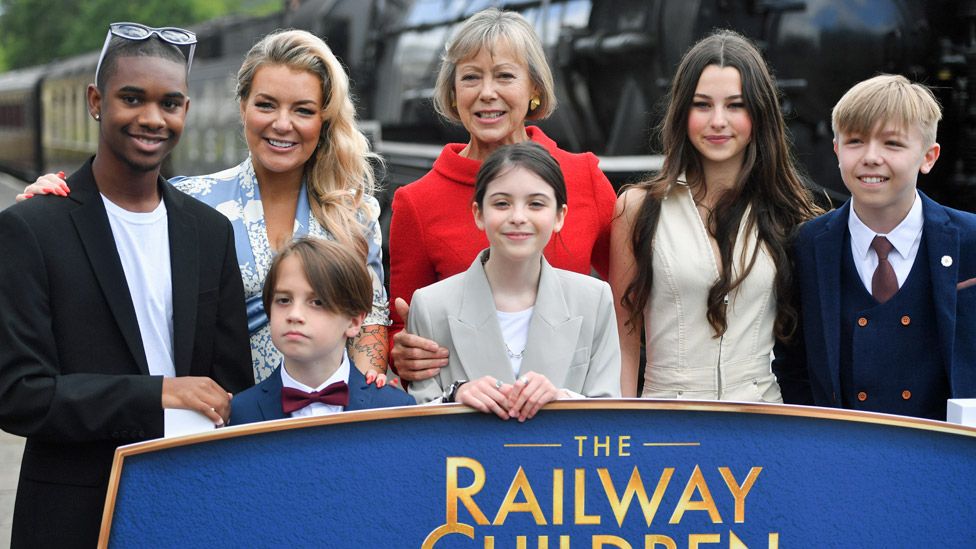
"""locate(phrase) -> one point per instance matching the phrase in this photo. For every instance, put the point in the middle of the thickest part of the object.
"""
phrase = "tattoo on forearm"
(369, 349)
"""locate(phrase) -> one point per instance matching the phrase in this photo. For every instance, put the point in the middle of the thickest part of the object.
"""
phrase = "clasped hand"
(520, 400)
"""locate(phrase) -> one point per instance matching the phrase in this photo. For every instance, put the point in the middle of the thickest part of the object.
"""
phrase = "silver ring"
(498, 384)
(524, 379)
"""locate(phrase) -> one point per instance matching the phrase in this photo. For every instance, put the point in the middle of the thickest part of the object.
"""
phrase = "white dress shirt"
(316, 408)
(905, 238)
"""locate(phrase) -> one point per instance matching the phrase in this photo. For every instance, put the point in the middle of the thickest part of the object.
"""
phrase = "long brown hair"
(768, 181)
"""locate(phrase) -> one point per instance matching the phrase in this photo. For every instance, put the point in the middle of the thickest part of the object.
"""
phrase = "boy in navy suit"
(886, 282)
(317, 294)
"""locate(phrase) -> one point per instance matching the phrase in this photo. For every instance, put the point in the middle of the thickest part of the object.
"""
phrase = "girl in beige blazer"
(571, 349)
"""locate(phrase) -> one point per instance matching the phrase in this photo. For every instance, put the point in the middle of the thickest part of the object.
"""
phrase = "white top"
(684, 359)
(316, 408)
(515, 332)
(142, 240)
(905, 238)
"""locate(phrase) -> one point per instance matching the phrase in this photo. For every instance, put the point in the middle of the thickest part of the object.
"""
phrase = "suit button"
(906, 394)
(862, 322)
(906, 320)
(862, 396)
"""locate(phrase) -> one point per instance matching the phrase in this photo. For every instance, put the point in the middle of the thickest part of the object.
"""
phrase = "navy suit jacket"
(263, 401)
(808, 370)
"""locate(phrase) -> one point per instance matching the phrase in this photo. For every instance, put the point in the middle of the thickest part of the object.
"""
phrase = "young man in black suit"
(119, 301)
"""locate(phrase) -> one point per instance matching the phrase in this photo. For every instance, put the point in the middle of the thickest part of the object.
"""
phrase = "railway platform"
(10, 186)
(11, 450)
(11, 446)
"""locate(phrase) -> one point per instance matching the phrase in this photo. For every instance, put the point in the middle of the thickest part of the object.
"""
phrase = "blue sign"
(583, 474)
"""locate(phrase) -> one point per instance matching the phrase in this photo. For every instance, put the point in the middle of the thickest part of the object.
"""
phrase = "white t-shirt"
(515, 333)
(142, 240)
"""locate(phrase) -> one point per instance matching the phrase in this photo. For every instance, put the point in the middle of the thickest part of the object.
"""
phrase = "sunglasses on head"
(137, 31)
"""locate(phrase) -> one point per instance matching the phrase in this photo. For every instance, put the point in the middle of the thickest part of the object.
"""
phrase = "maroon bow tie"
(336, 394)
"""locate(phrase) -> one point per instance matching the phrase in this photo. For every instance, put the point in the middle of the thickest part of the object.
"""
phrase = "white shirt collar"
(341, 374)
(902, 237)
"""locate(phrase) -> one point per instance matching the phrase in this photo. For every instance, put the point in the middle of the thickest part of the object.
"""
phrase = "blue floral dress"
(234, 193)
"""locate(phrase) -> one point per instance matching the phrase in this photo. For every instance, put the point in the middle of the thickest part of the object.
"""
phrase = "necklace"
(513, 354)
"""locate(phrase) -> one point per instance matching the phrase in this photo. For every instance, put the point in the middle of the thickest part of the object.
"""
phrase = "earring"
(534, 103)
(453, 101)
(97, 117)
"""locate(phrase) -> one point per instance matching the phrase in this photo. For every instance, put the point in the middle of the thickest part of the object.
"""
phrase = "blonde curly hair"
(340, 172)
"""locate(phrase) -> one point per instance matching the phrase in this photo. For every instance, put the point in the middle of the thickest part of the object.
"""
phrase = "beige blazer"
(572, 333)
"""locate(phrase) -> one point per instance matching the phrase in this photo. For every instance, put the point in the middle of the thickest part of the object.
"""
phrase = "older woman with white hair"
(493, 77)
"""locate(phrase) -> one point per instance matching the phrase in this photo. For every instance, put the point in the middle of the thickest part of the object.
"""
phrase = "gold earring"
(453, 101)
(534, 103)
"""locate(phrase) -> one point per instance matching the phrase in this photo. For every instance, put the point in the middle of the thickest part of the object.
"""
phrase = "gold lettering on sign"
(696, 484)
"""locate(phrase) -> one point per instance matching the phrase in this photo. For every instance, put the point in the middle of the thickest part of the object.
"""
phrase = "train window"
(531, 15)
(76, 108)
(428, 12)
(477, 5)
(515, 5)
(11, 116)
(418, 57)
(546, 25)
(574, 14)
(577, 14)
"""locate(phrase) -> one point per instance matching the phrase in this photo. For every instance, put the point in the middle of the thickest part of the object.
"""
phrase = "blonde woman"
(308, 172)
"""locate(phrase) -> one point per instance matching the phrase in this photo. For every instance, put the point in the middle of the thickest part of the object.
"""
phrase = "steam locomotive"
(612, 61)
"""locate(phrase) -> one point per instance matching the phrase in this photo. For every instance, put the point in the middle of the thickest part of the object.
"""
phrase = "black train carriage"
(613, 61)
(69, 134)
(20, 115)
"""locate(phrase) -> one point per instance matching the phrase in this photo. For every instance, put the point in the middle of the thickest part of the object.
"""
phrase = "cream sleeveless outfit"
(684, 359)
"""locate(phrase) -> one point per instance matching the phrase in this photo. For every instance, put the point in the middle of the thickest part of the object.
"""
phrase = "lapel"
(553, 331)
(828, 247)
(475, 332)
(95, 233)
(269, 400)
(359, 395)
(942, 239)
(184, 267)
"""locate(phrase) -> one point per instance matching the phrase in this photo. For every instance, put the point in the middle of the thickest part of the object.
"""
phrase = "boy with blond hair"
(887, 282)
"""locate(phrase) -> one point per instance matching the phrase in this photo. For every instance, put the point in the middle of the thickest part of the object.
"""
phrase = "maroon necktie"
(884, 284)
(336, 394)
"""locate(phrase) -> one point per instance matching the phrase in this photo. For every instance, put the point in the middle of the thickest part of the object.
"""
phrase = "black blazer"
(73, 372)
